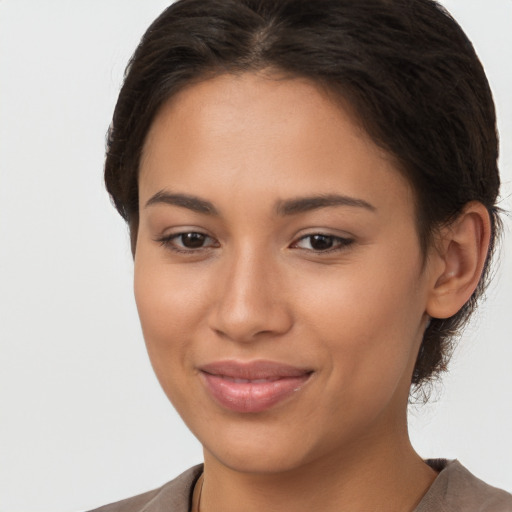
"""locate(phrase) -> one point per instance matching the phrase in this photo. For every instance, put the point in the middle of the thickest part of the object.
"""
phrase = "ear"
(459, 258)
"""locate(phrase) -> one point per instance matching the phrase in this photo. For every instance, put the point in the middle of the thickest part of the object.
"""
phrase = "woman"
(311, 193)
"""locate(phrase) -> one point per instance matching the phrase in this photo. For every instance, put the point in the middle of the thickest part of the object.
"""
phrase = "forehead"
(269, 134)
(259, 100)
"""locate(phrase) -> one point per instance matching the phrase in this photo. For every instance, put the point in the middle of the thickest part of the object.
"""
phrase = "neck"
(373, 476)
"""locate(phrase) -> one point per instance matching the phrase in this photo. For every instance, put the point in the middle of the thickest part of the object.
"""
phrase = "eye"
(319, 242)
(188, 242)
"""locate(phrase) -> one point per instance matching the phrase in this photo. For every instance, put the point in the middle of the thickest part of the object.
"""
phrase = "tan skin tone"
(351, 305)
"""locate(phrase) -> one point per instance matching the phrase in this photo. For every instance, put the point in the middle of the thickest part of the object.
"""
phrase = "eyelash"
(340, 243)
(169, 242)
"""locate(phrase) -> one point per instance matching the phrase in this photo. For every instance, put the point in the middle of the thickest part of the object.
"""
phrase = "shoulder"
(174, 496)
(456, 489)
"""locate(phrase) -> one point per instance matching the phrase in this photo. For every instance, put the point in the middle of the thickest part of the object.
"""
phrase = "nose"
(250, 301)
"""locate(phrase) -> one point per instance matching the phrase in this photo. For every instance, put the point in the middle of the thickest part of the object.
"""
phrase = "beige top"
(454, 490)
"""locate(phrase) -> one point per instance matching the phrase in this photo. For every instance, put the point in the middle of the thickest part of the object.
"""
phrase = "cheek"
(360, 299)
(369, 319)
(170, 311)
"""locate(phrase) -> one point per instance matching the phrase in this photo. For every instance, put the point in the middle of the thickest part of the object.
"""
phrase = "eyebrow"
(306, 204)
(185, 201)
(283, 207)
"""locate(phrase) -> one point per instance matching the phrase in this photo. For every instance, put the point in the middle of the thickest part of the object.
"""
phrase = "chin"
(256, 459)
(260, 450)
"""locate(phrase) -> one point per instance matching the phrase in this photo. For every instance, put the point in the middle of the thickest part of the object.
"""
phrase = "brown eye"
(192, 240)
(319, 242)
(188, 242)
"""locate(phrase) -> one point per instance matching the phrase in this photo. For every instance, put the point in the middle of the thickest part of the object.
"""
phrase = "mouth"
(254, 386)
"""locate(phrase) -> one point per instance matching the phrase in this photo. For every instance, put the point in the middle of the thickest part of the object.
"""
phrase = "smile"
(252, 387)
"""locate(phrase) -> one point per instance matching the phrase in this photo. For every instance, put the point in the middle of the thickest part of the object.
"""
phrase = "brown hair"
(405, 66)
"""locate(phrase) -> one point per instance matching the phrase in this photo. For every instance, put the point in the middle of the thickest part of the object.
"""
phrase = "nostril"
(250, 325)
(248, 303)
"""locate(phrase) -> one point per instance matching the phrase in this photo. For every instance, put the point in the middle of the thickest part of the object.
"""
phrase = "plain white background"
(83, 421)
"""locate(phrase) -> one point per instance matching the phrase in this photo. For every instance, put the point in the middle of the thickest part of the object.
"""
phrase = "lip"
(251, 387)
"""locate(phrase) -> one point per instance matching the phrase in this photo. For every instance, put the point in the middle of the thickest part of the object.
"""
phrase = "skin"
(258, 290)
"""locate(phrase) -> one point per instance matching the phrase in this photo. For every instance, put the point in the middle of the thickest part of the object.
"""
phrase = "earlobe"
(461, 254)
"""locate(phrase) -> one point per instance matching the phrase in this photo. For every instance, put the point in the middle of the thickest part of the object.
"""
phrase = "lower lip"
(252, 397)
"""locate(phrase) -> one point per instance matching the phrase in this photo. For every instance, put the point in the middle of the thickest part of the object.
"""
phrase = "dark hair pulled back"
(405, 66)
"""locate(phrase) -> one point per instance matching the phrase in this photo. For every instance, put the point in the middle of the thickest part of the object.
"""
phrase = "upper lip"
(253, 370)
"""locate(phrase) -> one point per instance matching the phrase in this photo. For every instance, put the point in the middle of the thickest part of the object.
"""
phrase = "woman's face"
(278, 274)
